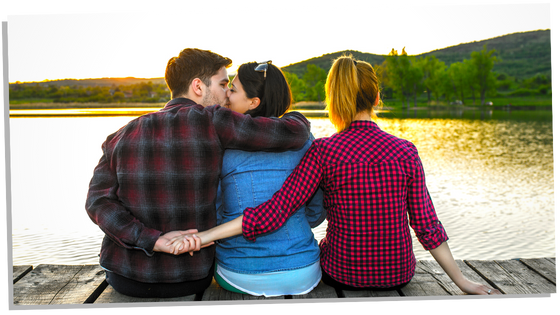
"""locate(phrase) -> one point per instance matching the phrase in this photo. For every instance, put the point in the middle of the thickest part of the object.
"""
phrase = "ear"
(377, 100)
(255, 102)
(196, 87)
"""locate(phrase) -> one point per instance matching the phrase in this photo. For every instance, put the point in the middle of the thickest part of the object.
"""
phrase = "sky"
(138, 40)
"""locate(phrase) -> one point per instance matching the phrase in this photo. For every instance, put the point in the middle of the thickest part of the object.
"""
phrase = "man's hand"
(188, 242)
(164, 242)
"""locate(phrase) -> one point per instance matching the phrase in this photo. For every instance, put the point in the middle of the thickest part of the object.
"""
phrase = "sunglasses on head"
(263, 66)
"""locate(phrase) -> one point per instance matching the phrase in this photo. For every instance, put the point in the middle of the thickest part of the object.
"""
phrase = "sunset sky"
(138, 40)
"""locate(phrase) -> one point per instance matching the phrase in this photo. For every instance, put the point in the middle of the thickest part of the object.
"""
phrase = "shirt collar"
(362, 124)
(179, 101)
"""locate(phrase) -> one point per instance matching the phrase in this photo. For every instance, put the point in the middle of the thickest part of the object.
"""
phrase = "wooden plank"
(369, 293)
(216, 293)
(423, 284)
(529, 278)
(20, 271)
(544, 267)
(321, 291)
(58, 284)
(433, 268)
(499, 277)
(110, 295)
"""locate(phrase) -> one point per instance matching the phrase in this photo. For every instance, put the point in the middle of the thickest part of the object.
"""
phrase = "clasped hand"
(180, 242)
(186, 242)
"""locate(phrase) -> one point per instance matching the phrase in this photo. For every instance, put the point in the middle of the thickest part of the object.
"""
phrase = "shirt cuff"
(434, 237)
(147, 240)
(248, 225)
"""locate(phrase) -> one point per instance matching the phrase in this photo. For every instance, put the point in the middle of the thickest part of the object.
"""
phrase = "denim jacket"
(249, 179)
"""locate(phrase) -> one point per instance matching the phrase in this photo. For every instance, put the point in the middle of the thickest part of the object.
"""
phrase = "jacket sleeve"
(105, 210)
(314, 210)
(238, 131)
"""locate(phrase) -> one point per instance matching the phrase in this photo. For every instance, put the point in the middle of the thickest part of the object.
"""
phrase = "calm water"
(490, 175)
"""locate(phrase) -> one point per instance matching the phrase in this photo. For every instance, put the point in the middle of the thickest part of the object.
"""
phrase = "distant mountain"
(523, 55)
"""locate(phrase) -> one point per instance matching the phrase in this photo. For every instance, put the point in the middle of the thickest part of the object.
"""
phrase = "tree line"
(144, 92)
(402, 77)
(406, 78)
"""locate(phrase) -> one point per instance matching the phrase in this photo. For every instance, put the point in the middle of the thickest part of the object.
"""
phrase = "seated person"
(285, 262)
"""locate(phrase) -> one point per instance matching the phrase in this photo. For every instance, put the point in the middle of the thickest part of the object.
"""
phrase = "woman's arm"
(442, 254)
(228, 229)
(315, 212)
(298, 188)
(194, 242)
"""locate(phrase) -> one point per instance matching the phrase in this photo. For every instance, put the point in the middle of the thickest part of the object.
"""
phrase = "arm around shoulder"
(238, 131)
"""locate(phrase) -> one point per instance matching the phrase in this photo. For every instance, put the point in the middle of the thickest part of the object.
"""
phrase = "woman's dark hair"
(192, 63)
(273, 91)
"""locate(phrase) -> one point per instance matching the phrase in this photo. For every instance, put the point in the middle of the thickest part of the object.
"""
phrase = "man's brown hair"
(192, 63)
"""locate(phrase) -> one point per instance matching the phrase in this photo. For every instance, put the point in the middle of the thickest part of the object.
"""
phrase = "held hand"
(187, 242)
(163, 242)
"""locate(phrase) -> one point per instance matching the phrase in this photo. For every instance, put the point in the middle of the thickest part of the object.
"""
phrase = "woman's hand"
(188, 241)
(184, 243)
(443, 256)
(470, 287)
(163, 242)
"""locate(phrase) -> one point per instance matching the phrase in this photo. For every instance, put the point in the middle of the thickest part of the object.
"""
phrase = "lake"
(489, 172)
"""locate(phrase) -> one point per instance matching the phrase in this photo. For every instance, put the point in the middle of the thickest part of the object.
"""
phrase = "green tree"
(383, 77)
(445, 87)
(458, 76)
(395, 75)
(482, 63)
(315, 79)
(297, 86)
(470, 78)
(118, 96)
(414, 79)
(404, 76)
(430, 66)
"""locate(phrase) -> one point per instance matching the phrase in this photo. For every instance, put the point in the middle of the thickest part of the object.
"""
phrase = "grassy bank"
(52, 105)
(544, 101)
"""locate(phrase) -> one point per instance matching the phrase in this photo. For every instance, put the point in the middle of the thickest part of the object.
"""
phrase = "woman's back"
(248, 179)
(366, 175)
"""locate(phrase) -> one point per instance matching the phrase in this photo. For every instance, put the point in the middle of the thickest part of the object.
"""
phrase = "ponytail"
(351, 88)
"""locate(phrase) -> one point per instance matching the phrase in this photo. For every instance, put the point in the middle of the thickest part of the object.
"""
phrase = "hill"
(523, 55)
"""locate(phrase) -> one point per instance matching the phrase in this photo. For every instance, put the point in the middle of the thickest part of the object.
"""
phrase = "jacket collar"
(179, 101)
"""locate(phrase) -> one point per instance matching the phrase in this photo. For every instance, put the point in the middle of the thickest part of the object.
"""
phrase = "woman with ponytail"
(374, 188)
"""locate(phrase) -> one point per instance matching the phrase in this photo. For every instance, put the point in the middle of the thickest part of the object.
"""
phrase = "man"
(158, 177)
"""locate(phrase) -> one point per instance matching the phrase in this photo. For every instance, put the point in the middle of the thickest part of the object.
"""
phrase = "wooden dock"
(85, 284)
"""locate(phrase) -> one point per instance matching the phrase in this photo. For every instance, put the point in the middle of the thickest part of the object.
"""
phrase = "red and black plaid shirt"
(373, 184)
(160, 173)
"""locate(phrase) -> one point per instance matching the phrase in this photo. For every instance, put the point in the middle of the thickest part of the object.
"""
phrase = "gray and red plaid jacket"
(160, 173)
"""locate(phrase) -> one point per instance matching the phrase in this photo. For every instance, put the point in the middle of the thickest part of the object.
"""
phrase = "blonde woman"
(374, 188)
